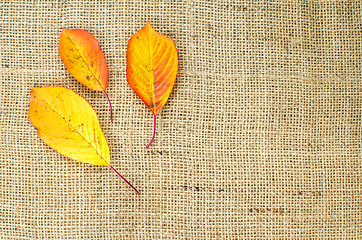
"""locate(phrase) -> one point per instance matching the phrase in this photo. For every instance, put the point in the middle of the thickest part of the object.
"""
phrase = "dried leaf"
(152, 64)
(84, 59)
(67, 123)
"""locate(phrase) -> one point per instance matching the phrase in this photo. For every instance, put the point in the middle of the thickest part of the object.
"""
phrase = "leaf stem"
(110, 106)
(125, 180)
(154, 131)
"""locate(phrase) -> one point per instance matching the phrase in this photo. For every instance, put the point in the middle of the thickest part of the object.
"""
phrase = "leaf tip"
(148, 24)
(34, 90)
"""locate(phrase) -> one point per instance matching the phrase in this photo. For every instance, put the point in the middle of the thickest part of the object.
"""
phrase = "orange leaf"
(152, 64)
(67, 123)
(84, 59)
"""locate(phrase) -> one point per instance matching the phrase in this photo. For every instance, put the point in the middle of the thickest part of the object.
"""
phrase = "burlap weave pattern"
(261, 136)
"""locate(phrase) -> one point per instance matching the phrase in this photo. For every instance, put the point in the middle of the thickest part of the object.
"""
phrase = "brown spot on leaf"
(87, 77)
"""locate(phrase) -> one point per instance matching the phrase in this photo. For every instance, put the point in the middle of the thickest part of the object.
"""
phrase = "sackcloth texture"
(260, 138)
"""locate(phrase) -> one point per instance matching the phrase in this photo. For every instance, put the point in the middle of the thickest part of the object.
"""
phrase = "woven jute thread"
(261, 136)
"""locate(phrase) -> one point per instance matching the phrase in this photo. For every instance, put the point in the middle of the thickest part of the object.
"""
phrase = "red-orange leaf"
(152, 64)
(84, 59)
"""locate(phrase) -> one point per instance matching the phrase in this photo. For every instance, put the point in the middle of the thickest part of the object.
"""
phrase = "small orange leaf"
(84, 59)
(67, 123)
(152, 64)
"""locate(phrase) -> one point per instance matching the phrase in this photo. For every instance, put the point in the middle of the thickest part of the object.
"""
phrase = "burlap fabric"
(261, 136)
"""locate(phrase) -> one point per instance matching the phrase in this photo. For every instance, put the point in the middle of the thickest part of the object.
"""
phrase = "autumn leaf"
(152, 64)
(84, 59)
(67, 123)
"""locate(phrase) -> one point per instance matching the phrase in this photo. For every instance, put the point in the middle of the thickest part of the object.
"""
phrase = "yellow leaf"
(67, 123)
(152, 64)
(151, 67)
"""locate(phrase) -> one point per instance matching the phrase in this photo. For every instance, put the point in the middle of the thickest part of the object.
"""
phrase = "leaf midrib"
(151, 72)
